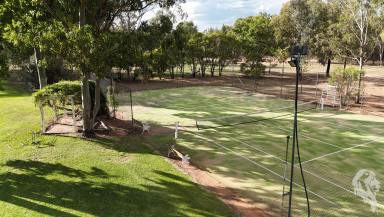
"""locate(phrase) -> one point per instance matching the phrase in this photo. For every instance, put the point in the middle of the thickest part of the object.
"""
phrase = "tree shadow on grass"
(131, 144)
(12, 90)
(28, 184)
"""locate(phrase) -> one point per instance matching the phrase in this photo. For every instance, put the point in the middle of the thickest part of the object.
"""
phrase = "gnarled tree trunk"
(96, 106)
(85, 94)
(86, 103)
(328, 68)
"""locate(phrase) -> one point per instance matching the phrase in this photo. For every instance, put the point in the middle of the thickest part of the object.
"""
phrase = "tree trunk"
(270, 67)
(327, 74)
(221, 68)
(85, 94)
(172, 72)
(360, 78)
(213, 66)
(193, 70)
(282, 79)
(203, 68)
(182, 70)
(40, 70)
(120, 74)
(86, 102)
(345, 63)
(381, 54)
(96, 106)
(82, 20)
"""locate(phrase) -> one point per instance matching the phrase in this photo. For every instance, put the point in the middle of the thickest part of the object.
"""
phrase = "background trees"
(92, 37)
(256, 37)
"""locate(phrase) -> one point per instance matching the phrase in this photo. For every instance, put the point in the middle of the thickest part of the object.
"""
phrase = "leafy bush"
(347, 83)
(63, 89)
(255, 71)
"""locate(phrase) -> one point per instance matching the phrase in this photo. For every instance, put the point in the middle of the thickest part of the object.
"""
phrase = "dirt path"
(244, 207)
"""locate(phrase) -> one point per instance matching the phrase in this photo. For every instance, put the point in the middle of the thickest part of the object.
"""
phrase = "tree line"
(92, 37)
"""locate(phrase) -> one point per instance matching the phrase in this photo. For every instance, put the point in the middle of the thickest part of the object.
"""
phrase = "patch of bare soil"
(64, 125)
(119, 127)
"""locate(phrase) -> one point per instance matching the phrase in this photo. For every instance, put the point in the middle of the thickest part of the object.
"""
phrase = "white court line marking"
(296, 166)
(342, 150)
(302, 134)
(257, 164)
(259, 111)
(258, 149)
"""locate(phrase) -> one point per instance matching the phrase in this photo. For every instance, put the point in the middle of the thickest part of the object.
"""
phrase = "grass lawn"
(66, 176)
(249, 158)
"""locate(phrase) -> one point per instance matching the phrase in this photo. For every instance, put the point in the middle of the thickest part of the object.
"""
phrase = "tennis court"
(241, 138)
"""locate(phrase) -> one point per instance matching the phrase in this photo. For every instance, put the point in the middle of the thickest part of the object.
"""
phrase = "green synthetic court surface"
(242, 142)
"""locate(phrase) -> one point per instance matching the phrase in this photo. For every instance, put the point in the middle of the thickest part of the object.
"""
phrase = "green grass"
(66, 176)
(247, 158)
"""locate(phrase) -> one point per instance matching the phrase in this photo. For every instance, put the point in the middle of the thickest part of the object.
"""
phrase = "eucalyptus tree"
(285, 32)
(182, 34)
(256, 37)
(377, 23)
(357, 31)
(162, 53)
(307, 22)
(69, 27)
(228, 48)
(212, 42)
(194, 51)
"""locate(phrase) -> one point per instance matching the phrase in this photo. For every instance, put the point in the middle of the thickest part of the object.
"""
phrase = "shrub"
(255, 70)
(347, 83)
(63, 89)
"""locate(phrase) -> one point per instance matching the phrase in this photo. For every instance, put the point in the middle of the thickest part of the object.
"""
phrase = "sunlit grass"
(64, 176)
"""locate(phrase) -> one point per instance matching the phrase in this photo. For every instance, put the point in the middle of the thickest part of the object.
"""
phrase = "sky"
(215, 13)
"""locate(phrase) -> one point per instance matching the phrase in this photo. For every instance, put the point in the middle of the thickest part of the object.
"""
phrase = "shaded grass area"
(250, 157)
(64, 176)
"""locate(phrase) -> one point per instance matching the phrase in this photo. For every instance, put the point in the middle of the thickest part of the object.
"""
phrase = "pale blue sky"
(215, 13)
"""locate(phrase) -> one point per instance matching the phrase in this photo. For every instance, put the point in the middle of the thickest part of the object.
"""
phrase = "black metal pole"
(294, 136)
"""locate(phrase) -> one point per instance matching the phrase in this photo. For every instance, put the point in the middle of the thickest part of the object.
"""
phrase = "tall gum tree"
(356, 24)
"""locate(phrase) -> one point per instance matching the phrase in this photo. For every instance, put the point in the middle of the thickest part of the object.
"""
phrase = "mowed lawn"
(249, 158)
(66, 176)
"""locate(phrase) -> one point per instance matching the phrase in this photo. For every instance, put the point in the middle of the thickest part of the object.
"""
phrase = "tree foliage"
(255, 36)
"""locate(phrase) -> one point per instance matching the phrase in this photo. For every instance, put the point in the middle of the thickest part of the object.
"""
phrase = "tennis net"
(257, 116)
